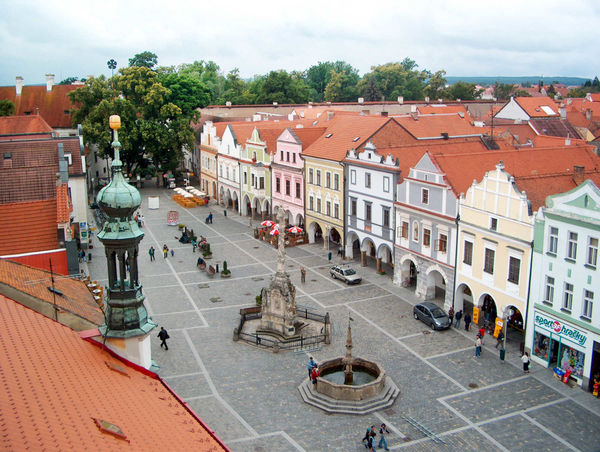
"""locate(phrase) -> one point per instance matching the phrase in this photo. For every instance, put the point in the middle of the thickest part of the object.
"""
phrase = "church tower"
(127, 328)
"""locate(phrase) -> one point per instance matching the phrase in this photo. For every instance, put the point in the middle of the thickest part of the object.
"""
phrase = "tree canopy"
(145, 59)
(7, 108)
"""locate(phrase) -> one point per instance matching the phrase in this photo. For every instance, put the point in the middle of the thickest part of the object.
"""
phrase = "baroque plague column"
(127, 328)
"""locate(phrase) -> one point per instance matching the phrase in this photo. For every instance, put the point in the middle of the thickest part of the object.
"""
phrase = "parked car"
(345, 273)
(432, 315)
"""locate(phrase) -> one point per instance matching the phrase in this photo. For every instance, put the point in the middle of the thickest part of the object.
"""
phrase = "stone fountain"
(350, 385)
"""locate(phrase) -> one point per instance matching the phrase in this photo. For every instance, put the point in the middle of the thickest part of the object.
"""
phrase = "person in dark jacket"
(467, 321)
(458, 316)
(163, 336)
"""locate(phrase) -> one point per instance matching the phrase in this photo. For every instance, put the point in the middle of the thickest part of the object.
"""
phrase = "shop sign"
(561, 329)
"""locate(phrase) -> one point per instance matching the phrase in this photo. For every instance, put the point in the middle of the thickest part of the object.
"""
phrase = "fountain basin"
(350, 392)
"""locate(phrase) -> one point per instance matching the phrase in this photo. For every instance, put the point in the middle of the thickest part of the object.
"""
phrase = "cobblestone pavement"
(250, 397)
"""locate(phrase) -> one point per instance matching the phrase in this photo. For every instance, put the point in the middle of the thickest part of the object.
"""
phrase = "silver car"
(345, 273)
(432, 315)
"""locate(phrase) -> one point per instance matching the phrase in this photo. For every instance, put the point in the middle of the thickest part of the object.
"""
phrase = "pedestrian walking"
(302, 275)
(314, 375)
(382, 441)
(500, 340)
(209, 218)
(371, 442)
(172, 253)
(151, 253)
(467, 321)
(478, 347)
(163, 336)
(451, 315)
(458, 317)
(194, 245)
(525, 361)
(481, 333)
(165, 251)
(368, 436)
(311, 365)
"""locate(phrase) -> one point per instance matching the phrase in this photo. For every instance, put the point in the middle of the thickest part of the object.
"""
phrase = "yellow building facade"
(494, 251)
(324, 200)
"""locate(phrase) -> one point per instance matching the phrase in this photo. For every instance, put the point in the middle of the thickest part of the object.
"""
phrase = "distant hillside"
(569, 81)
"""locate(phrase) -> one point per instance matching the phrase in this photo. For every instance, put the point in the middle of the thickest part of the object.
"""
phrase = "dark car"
(345, 273)
(432, 315)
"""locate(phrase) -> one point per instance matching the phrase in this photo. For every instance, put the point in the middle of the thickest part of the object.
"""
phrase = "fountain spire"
(348, 374)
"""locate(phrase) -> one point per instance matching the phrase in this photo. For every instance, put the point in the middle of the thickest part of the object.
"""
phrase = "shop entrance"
(595, 369)
(489, 312)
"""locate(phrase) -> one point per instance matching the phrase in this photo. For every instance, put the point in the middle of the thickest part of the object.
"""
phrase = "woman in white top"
(525, 361)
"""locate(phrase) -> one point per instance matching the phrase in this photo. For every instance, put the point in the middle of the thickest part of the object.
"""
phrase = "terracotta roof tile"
(341, 134)
(53, 106)
(533, 106)
(23, 125)
(75, 298)
(434, 109)
(432, 126)
(462, 169)
(55, 384)
(28, 226)
(307, 135)
(64, 206)
(30, 174)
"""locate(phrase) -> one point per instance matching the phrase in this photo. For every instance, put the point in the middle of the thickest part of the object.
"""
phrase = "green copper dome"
(118, 199)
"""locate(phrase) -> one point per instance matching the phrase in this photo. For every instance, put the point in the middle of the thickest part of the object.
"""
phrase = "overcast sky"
(503, 37)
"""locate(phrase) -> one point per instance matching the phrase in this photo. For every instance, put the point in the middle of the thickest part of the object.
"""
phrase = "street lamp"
(509, 314)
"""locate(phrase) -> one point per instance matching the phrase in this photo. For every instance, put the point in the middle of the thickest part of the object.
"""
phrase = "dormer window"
(329, 135)
(356, 139)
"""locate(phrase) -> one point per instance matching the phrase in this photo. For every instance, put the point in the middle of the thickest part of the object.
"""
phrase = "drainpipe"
(455, 261)
(528, 289)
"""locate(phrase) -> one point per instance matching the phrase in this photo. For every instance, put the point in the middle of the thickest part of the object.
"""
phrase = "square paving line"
(511, 397)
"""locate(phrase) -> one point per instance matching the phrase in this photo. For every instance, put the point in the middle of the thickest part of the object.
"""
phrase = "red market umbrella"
(267, 223)
(295, 230)
(275, 230)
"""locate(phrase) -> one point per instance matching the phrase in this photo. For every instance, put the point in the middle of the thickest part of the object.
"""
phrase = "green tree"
(69, 81)
(236, 90)
(7, 108)
(370, 91)
(435, 85)
(284, 88)
(187, 93)
(464, 91)
(503, 91)
(145, 59)
(341, 87)
(318, 77)
(396, 79)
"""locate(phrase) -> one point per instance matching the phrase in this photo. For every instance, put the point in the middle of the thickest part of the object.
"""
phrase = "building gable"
(512, 110)
(583, 201)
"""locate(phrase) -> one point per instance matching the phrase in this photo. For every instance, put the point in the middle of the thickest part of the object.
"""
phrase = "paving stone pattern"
(249, 397)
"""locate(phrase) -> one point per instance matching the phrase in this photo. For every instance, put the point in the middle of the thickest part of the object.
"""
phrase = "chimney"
(330, 115)
(63, 167)
(49, 82)
(384, 114)
(228, 104)
(413, 108)
(19, 83)
(361, 100)
(578, 174)
(588, 114)
(445, 135)
(568, 140)
(562, 111)
(400, 100)
(427, 99)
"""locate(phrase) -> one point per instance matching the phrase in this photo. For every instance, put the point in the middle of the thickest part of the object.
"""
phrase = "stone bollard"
(236, 335)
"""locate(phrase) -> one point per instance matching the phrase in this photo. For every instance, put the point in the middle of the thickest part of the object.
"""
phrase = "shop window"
(571, 359)
(310, 175)
(426, 237)
(568, 297)
(424, 196)
(541, 345)
(368, 180)
(336, 182)
(572, 246)
(405, 229)
(514, 268)
(553, 241)
(592, 254)
(488, 265)
(588, 304)
(549, 292)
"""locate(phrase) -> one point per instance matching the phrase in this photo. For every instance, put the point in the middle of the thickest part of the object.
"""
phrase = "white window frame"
(470, 264)
(592, 252)
(425, 196)
(386, 184)
(353, 177)
(588, 304)
(567, 303)
(572, 245)
(549, 290)
(367, 180)
(553, 240)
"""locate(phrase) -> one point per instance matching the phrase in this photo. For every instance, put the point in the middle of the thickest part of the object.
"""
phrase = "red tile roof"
(432, 126)
(56, 385)
(53, 106)
(533, 106)
(434, 109)
(31, 172)
(556, 127)
(307, 135)
(341, 133)
(75, 298)
(462, 169)
(23, 126)
(28, 226)
(64, 206)
(594, 96)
